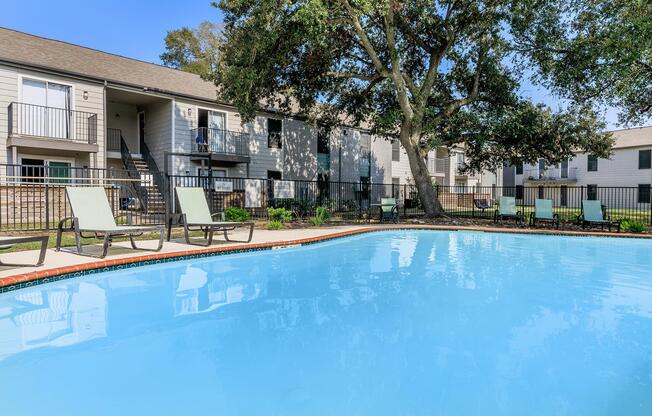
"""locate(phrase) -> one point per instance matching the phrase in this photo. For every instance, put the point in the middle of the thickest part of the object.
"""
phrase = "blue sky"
(137, 28)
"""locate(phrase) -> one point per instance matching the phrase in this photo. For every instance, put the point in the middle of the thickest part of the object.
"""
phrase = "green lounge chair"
(388, 210)
(8, 242)
(594, 214)
(507, 210)
(543, 213)
(92, 214)
(195, 213)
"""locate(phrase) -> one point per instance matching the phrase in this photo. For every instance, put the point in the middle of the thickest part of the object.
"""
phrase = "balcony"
(438, 166)
(48, 127)
(551, 175)
(222, 145)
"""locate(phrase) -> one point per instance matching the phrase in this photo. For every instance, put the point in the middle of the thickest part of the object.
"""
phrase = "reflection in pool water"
(405, 322)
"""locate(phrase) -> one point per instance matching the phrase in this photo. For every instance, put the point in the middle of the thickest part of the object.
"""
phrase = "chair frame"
(208, 229)
(606, 220)
(392, 214)
(518, 217)
(554, 220)
(8, 242)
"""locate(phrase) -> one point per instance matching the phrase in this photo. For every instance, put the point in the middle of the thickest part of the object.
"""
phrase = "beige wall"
(124, 117)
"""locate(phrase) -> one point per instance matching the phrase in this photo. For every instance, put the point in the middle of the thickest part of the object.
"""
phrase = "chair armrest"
(221, 214)
(555, 216)
(62, 222)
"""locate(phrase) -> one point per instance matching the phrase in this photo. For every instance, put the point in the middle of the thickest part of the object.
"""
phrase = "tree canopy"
(192, 50)
(429, 73)
(599, 52)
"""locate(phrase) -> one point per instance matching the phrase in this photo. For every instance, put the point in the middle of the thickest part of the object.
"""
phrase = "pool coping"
(38, 277)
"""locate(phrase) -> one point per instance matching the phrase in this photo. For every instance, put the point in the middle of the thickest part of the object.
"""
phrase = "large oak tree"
(425, 72)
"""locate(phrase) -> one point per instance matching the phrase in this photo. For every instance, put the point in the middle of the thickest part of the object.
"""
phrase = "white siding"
(158, 133)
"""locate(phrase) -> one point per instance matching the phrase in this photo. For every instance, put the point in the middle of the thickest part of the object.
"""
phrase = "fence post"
(47, 206)
(473, 201)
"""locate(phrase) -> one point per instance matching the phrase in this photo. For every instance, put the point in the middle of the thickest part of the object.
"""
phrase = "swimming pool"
(384, 323)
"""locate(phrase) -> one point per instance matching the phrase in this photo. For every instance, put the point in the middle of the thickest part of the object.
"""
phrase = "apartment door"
(542, 168)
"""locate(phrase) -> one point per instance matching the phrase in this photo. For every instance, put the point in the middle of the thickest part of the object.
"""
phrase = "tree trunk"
(427, 194)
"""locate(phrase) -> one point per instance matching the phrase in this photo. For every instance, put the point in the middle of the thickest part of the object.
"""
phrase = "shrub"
(631, 226)
(274, 225)
(321, 216)
(279, 215)
(236, 215)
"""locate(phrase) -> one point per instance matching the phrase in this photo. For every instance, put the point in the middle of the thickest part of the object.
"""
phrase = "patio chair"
(195, 213)
(507, 210)
(8, 242)
(388, 210)
(593, 213)
(92, 214)
(543, 213)
(481, 204)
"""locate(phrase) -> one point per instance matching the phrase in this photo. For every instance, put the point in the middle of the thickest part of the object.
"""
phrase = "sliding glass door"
(46, 109)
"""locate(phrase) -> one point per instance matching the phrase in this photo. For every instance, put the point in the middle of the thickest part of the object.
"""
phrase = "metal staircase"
(145, 180)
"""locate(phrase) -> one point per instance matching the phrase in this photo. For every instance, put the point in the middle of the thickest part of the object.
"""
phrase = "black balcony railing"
(54, 123)
(205, 139)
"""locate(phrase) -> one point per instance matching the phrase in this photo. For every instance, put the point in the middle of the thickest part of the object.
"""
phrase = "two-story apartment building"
(68, 106)
(630, 165)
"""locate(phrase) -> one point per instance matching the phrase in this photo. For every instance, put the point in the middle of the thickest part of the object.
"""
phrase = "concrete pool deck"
(121, 253)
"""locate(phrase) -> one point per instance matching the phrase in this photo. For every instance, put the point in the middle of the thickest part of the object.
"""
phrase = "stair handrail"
(157, 175)
(133, 173)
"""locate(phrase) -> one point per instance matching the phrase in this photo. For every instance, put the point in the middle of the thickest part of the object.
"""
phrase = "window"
(460, 187)
(273, 174)
(39, 120)
(592, 192)
(563, 196)
(32, 170)
(592, 163)
(564, 169)
(323, 141)
(396, 150)
(519, 191)
(644, 193)
(217, 173)
(365, 155)
(541, 192)
(519, 169)
(35, 170)
(274, 133)
(645, 159)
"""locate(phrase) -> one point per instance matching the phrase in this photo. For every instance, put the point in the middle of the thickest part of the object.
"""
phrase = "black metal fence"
(57, 123)
(33, 197)
(356, 200)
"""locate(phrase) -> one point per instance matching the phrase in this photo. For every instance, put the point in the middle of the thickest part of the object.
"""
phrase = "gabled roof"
(634, 137)
(43, 53)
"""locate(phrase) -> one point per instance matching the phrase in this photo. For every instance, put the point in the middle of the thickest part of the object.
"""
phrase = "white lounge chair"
(195, 213)
(92, 214)
(8, 242)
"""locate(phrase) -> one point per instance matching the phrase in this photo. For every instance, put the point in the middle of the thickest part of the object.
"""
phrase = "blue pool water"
(386, 323)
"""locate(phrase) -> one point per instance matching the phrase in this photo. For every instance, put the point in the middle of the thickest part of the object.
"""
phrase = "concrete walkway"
(122, 250)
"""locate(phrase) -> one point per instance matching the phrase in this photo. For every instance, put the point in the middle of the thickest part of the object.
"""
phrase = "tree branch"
(340, 75)
(473, 95)
(397, 74)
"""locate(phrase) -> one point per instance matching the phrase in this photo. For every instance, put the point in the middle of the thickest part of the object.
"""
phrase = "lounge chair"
(8, 242)
(195, 213)
(507, 210)
(594, 214)
(388, 208)
(92, 214)
(543, 213)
